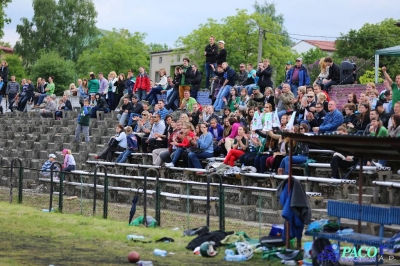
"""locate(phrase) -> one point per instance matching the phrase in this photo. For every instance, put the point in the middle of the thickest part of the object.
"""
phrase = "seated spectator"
(241, 77)
(323, 74)
(256, 98)
(217, 132)
(173, 90)
(152, 141)
(363, 119)
(69, 161)
(250, 115)
(376, 128)
(205, 144)
(394, 130)
(73, 90)
(230, 77)
(187, 102)
(321, 98)
(383, 116)
(240, 117)
(46, 167)
(232, 101)
(260, 144)
(373, 98)
(188, 139)
(284, 100)
(333, 74)
(120, 136)
(194, 116)
(341, 161)
(234, 132)
(184, 118)
(165, 155)
(300, 154)
(99, 105)
(273, 162)
(387, 101)
(364, 99)
(220, 149)
(64, 106)
(50, 107)
(125, 111)
(318, 117)
(131, 146)
(226, 114)
(208, 115)
(166, 138)
(158, 88)
(251, 78)
(240, 147)
(243, 100)
(137, 109)
(350, 117)
(332, 120)
(396, 110)
(162, 110)
(317, 89)
(25, 95)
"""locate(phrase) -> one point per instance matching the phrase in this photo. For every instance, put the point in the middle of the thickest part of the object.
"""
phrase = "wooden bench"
(366, 213)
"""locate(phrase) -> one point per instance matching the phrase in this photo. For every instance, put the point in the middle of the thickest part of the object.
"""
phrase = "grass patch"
(29, 236)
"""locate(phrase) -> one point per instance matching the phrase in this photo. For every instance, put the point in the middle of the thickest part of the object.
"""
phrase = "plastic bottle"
(230, 256)
(160, 252)
(145, 263)
(132, 237)
(347, 231)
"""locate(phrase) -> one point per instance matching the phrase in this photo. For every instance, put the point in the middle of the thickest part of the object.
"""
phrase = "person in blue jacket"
(229, 75)
(332, 120)
(297, 76)
(205, 143)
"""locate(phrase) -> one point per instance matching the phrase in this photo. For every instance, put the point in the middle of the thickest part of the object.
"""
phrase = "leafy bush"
(369, 76)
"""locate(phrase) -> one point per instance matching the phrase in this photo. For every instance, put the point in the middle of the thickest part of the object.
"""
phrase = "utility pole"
(260, 39)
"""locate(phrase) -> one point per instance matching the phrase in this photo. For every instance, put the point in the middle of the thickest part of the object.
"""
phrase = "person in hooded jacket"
(101, 106)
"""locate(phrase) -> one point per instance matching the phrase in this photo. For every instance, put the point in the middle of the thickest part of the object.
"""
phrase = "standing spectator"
(332, 120)
(69, 161)
(1, 94)
(174, 95)
(83, 91)
(12, 91)
(120, 136)
(4, 76)
(222, 54)
(264, 74)
(83, 122)
(121, 87)
(229, 75)
(112, 79)
(185, 73)
(298, 76)
(142, 85)
(289, 65)
(93, 84)
(195, 80)
(125, 111)
(132, 146)
(103, 87)
(333, 76)
(210, 52)
(100, 105)
(130, 83)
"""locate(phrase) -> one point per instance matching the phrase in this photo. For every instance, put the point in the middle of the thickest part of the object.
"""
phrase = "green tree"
(117, 51)
(313, 55)
(364, 42)
(52, 64)
(66, 26)
(3, 16)
(269, 10)
(240, 33)
(5, 44)
(15, 67)
(156, 47)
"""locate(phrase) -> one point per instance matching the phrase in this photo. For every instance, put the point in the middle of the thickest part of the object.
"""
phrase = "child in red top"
(187, 137)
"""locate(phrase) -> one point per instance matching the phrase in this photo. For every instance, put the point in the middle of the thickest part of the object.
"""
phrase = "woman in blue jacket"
(204, 142)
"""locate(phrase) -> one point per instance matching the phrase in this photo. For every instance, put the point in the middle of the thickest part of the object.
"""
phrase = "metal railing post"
(157, 199)
(60, 200)
(20, 178)
(105, 203)
(221, 202)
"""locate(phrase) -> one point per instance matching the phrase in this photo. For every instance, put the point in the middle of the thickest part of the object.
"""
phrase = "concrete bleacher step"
(368, 199)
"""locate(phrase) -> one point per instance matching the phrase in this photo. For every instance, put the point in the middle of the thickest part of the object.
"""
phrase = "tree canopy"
(52, 64)
(313, 55)
(240, 34)
(66, 26)
(117, 51)
(15, 67)
(3, 16)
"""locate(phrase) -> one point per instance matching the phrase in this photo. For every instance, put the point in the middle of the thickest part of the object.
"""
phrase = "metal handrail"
(221, 202)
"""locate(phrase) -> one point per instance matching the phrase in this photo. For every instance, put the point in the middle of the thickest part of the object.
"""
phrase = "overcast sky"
(165, 21)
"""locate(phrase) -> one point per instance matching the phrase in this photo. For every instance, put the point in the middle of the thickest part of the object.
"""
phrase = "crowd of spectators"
(235, 126)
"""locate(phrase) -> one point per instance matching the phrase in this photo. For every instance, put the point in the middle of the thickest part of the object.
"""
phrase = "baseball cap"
(289, 63)
(221, 42)
(255, 88)
(299, 59)
(52, 155)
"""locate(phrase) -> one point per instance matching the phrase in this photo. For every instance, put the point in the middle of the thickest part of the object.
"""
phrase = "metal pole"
(260, 39)
(157, 198)
(289, 188)
(105, 202)
(221, 203)
(360, 180)
(376, 68)
(51, 186)
(20, 180)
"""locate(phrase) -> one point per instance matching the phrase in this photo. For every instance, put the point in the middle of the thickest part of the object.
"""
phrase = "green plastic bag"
(151, 222)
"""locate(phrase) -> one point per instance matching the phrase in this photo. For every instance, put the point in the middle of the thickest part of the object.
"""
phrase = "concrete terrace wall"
(339, 93)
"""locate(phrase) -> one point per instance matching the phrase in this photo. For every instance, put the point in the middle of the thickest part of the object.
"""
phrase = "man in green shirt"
(187, 102)
(395, 86)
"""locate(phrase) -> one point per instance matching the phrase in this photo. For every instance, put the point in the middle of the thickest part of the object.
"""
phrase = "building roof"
(323, 45)
(7, 49)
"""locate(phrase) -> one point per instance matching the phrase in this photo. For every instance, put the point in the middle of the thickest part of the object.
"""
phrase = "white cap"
(52, 155)
(221, 42)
